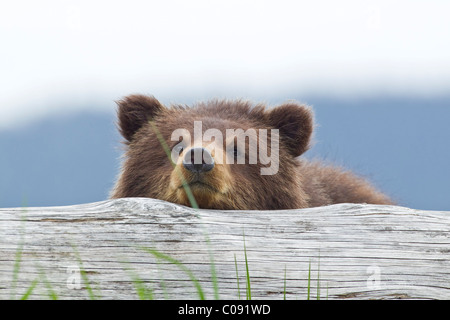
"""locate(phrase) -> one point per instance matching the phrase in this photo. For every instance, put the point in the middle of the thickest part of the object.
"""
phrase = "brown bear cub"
(228, 155)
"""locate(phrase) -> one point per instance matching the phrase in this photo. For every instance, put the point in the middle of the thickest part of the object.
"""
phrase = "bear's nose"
(198, 160)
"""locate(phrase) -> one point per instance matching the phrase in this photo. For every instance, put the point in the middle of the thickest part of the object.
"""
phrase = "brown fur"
(148, 172)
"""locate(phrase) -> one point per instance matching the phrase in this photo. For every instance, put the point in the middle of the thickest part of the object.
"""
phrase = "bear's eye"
(178, 148)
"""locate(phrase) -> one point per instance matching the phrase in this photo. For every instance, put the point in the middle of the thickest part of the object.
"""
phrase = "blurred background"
(377, 74)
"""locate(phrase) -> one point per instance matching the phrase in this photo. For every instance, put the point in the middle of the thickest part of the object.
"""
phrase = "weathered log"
(97, 250)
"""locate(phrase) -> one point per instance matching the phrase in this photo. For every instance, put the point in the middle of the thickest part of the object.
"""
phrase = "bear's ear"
(295, 123)
(134, 111)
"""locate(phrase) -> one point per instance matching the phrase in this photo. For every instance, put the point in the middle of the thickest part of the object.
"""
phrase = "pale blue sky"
(82, 51)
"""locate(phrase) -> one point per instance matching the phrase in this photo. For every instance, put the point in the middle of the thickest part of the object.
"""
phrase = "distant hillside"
(59, 161)
(401, 144)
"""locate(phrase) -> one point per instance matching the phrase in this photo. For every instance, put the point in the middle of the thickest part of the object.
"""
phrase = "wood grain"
(358, 251)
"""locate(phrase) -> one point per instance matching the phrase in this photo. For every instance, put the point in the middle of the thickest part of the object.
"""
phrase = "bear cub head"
(221, 154)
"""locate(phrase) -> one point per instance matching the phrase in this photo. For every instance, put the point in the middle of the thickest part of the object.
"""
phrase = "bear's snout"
(198, 160)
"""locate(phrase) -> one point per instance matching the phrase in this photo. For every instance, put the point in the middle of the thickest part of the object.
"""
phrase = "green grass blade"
(192, 201)
(237, 277)
(309, 281)
(166, 148)
(84, 276)
(16, 268)
(318, 279)
(51, 292)
(87, 284)
(19, 252)
(186, 270)
(142, 291)
(249, 289)
(162, 283)
(30, 289)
